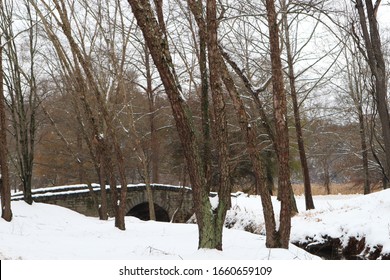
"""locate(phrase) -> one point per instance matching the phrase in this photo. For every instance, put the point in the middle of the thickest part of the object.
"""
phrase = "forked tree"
(210, 221)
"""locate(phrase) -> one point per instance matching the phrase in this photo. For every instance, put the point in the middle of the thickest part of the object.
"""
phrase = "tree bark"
(215, 64)
(6, 212)
(326, 177)
(282, 137)
(205, 103)
(362, 133)
(154, 143)
(100, 156)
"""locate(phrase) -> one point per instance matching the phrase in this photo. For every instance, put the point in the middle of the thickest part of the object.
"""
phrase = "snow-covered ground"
(335, 216)
(50, 232)
(47, 232)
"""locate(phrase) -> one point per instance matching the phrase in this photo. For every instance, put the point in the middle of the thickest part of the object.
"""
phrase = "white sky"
(384, 14)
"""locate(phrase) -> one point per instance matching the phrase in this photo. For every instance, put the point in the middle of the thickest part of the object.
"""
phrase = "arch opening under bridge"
(141, 211)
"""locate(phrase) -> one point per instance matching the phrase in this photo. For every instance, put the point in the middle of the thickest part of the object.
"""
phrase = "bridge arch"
(141, 211)
(170, 202)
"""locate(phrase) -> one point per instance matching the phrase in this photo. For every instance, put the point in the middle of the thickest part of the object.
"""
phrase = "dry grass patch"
(347, 188)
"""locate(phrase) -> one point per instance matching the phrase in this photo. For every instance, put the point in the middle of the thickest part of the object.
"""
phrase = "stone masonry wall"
(82, 201)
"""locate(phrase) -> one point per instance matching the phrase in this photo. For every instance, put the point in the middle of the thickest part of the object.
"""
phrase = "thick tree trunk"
(224, 188)
(282, 137)
(5, 190)
(205, 103)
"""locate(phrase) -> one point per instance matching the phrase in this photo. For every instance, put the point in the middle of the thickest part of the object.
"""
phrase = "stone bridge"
(170, 201)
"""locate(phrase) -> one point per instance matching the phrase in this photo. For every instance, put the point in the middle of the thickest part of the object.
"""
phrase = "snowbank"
(48, 232)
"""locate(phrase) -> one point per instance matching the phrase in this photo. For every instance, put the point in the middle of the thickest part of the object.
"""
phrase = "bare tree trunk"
(155, 145)
(114, 197)
(356, 85)
(206, 130)
(297, 118)
(79, 140)
(282, 137)
(5, 189)
(326, 177)
(145, 175)
(100, 156)
(385, 182)
(215, 64)
(362, 133)
(375, 59)
(103, 211)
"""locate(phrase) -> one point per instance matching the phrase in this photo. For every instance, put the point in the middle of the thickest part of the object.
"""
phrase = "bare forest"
(220, 96)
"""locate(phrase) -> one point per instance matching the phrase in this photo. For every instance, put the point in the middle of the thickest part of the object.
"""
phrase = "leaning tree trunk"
(272, 236)
(92, 85)
(265, 120)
